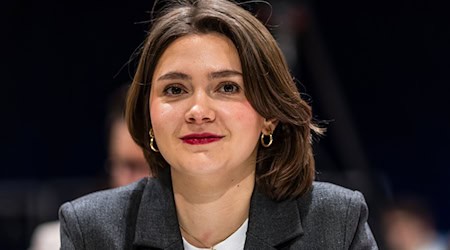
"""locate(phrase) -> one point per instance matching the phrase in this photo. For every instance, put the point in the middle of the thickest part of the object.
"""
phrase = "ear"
(269, 126)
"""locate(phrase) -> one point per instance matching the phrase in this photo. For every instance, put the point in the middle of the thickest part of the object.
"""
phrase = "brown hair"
(285, 169)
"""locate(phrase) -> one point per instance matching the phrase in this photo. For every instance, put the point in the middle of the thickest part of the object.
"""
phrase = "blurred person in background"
(409, 225)
(125, 164)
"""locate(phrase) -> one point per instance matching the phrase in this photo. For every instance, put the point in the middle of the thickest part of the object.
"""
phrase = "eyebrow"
(175, 75)
(224, 73)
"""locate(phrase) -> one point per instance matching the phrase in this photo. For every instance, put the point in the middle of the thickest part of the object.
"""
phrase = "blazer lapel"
(272, 224)
(157, 223)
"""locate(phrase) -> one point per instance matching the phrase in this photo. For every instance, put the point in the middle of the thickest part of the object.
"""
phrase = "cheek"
(158, 114)
(246, 117)
(164, 118)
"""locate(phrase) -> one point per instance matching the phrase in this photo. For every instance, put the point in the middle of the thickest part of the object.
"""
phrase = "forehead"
(194, 48)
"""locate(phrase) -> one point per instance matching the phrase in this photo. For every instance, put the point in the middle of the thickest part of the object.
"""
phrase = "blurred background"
(376, 71)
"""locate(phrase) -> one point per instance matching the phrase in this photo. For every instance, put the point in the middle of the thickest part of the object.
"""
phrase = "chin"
(199, 169)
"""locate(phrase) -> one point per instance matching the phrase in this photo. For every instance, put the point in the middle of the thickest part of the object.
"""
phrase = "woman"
(228, 139)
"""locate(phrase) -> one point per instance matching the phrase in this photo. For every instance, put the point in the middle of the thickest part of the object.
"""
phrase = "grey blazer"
(142, 216)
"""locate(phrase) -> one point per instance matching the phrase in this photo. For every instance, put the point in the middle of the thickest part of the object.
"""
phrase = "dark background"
(388, 62)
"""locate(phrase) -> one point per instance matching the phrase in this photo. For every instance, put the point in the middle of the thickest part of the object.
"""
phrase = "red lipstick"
(202, 138)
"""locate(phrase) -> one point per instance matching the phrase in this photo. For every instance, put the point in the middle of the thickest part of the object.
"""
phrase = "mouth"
(199, 139)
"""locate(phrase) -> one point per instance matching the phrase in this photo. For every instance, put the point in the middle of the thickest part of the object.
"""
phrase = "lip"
(201, 138)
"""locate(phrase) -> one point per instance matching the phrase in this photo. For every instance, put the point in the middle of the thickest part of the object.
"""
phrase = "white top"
(235, 241)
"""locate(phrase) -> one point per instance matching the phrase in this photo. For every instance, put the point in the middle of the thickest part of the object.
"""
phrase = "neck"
(212, 208)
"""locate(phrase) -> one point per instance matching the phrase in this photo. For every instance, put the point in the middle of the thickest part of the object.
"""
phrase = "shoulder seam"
(78, 223)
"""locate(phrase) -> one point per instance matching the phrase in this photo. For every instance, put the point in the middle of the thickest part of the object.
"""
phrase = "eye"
(229, 88)
(174, 90)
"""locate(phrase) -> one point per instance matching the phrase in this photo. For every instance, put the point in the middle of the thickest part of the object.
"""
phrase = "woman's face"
(202, 121)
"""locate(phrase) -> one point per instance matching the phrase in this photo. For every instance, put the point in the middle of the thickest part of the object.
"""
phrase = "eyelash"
(236, 87)
(170, 88)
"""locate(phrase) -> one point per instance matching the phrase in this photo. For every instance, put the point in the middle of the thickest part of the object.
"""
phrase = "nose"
(200, 109)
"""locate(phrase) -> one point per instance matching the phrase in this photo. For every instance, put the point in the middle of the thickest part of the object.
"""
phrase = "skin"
(405, 231)
(128, 163)
(197, 87)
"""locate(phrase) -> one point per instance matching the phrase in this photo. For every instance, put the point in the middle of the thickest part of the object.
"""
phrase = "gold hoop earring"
(263, 142)
(152, 140)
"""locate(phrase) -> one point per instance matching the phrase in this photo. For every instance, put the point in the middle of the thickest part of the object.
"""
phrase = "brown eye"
(229, 88)
(173, 91)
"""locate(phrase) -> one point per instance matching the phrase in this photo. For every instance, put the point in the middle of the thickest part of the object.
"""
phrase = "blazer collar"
(272, 224)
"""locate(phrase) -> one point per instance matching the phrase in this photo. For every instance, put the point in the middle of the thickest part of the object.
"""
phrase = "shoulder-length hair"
(286, 168)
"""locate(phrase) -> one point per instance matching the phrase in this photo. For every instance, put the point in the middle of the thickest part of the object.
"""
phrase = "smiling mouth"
(199, 139)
